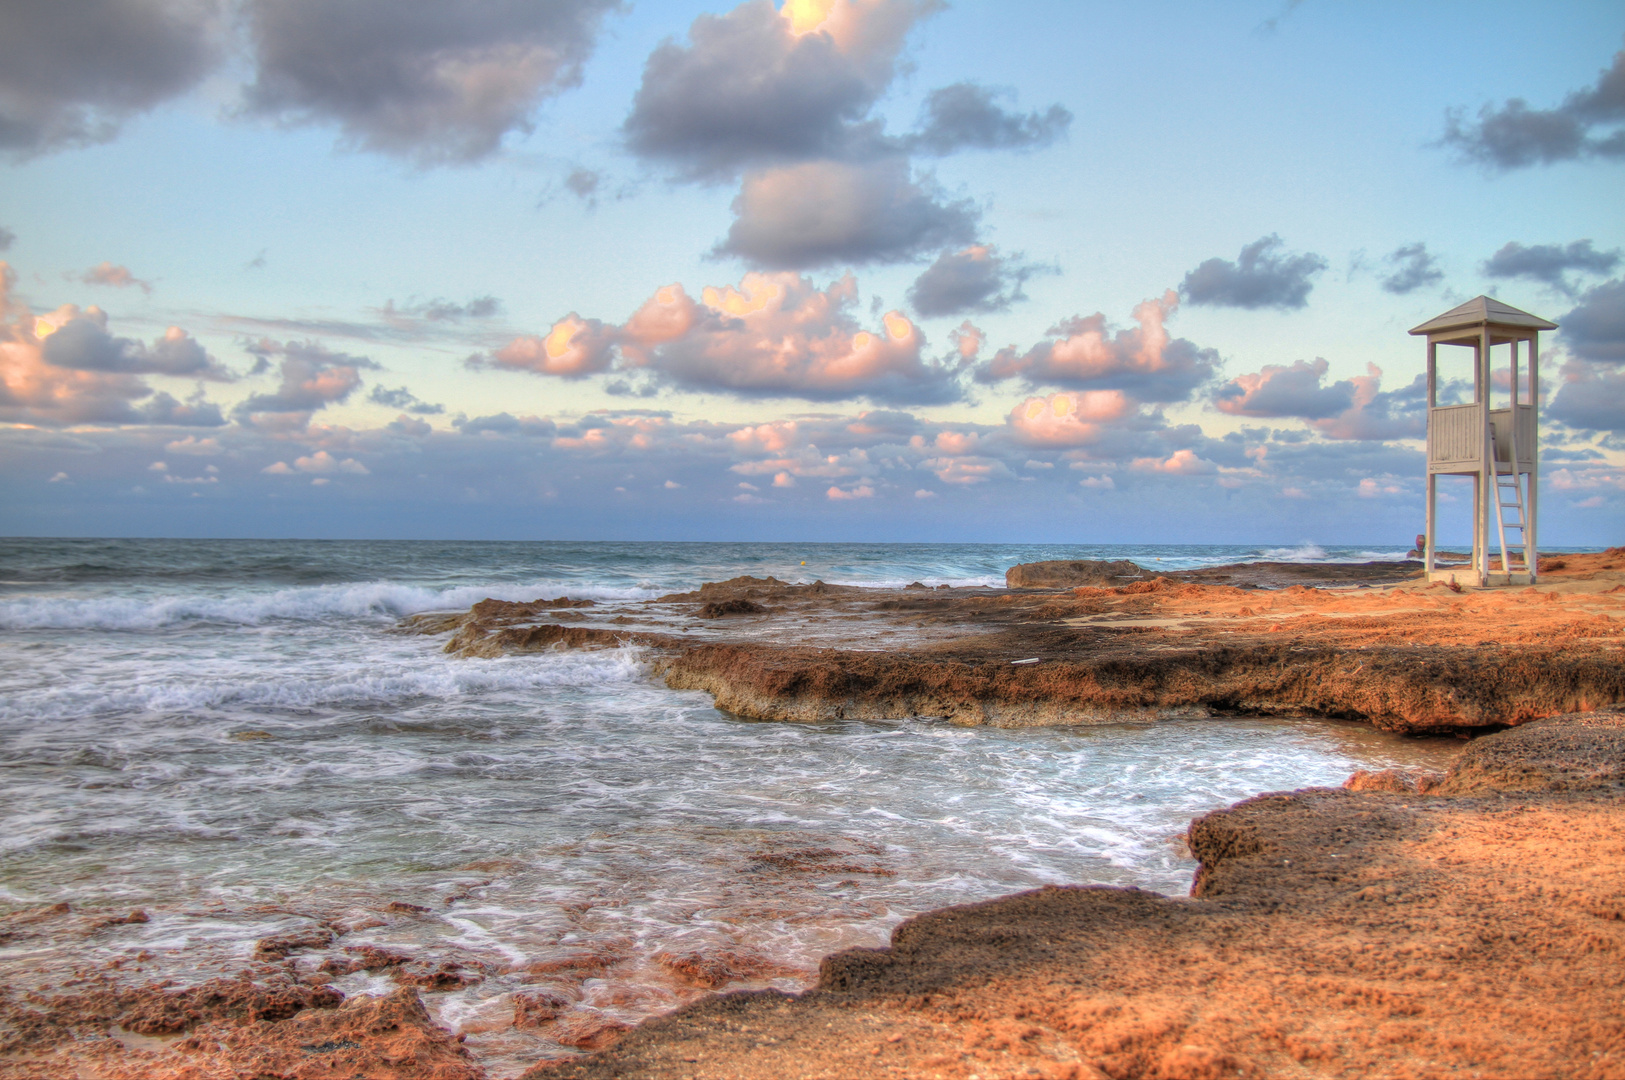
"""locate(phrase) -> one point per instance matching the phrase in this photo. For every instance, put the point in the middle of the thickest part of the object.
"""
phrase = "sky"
(881, 270)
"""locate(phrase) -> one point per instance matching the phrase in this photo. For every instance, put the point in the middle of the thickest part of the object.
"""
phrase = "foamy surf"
(374, 599)
(238, 760)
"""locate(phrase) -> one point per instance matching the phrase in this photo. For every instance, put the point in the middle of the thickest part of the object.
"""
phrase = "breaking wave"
(378, 599)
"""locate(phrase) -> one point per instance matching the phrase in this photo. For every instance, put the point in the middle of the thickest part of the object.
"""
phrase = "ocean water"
(229, 736)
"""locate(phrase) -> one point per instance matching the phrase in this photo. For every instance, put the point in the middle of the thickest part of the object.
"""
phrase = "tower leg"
(1481, 549)
(1433, 500)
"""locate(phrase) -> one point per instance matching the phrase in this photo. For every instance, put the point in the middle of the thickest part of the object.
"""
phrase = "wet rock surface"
(1068, 573)
(266, 1027)
(1329, 933)
(1363, 641)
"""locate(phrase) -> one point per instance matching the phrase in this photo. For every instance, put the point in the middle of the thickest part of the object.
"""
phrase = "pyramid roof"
(1480, 310)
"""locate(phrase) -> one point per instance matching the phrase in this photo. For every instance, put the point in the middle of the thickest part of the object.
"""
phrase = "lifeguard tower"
(1496, 447)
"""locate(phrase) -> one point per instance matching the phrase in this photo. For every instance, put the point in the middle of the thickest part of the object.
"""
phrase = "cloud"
(1074, 419)
(312, 378)
(1278, 391)
(1595, 328)
(402, 398)
(7, 238)
(323, 462)
(1591, 397)
(119, 277)
(1372, 488)
(774, 335)
(65, 368)
(1143, 361)
(778, 334)
(976, 278)
(508, 424)
(163, 408)
(194, 446)
(757, 86)
(417, 79)
(968, 340)
(73, 74)
(862, 491)
(1264, 275)
(1550, 263)
(1179, 463)
(967, 116)
(822, 212)
(573, 349)
(440, 310)
(80, 341)
(1585, 125)
(1412, 267)
(1354, 408)
(783, 99)
(584, 184)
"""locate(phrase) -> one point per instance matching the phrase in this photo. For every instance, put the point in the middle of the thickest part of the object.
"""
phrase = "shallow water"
(228, 736)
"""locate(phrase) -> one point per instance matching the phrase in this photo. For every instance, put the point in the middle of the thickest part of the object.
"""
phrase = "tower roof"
(1481, 310)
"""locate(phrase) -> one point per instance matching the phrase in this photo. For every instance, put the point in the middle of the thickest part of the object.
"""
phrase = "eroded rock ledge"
(1478, 930)
(1359, 641)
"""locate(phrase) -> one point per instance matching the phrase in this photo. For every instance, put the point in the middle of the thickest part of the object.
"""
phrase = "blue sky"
(861, 269)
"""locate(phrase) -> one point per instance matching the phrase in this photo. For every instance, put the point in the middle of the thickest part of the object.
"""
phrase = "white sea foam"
(382, 599)
(1304, 552)
(187, 688)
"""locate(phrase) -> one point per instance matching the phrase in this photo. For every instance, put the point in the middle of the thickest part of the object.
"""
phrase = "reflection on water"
(555, 833)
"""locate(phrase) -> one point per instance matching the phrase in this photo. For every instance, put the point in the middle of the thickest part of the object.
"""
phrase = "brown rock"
(278, 946)
(537, 1007)
(1400, 781)
(373, 958)
(1067, 573)
(714, 969)
(718, 609)
(447, 975)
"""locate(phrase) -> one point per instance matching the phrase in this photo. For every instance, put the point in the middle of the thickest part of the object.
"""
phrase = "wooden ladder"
(1510, 482)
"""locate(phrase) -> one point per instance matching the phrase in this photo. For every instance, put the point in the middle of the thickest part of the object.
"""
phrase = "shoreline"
(1368, 930)
(1365, 642)
(1345, 641)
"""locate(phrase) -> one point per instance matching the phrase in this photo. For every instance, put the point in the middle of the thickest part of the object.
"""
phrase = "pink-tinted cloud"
(312, 378)
(772, 335)
(65, 368)
(1179, 463)
(573, 348)
(119, 277)
(1143, 360)
(1068, 419)
(862, 491)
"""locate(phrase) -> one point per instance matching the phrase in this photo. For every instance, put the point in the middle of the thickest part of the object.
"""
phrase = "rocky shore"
(1476, 930)
(1468, 923)
(1367, 642)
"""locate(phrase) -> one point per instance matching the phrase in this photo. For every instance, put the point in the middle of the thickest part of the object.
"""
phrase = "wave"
(379, 599)
(1304, 552)
(369, 682)
(985, 582)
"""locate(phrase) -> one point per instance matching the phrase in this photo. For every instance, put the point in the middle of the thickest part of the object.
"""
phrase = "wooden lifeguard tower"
(1496, 447)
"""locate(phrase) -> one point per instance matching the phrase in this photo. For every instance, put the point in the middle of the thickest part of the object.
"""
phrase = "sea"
(233, 738)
